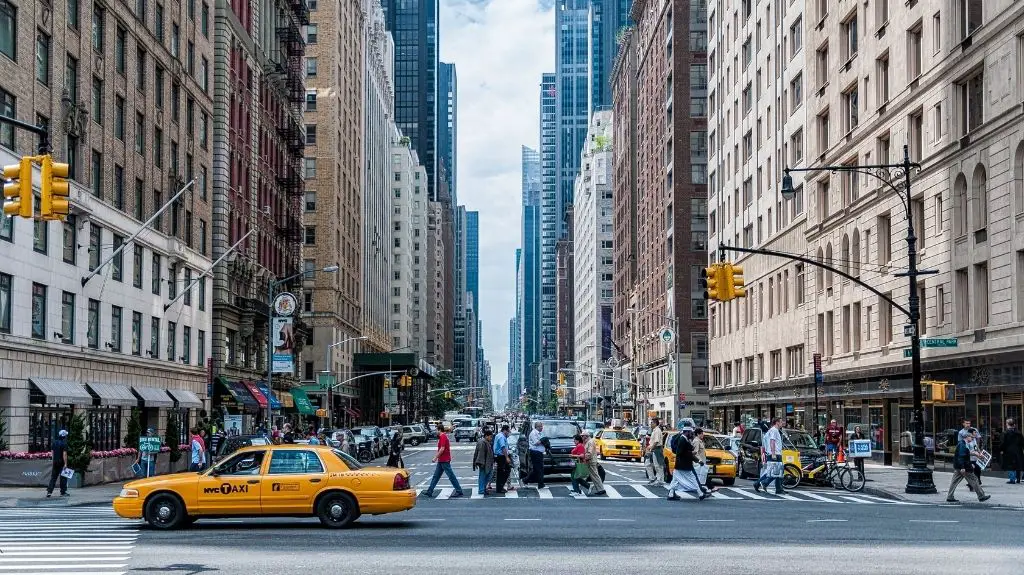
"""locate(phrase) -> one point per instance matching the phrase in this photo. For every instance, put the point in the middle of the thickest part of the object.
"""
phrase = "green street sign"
(149, 444)
(326, 380)
(939, 342)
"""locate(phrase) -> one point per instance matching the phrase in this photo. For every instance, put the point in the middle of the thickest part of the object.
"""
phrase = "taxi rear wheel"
(165, 511)
(337, 510)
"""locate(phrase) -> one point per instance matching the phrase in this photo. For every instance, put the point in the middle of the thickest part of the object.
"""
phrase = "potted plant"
(3, 430)
(79, 450)
(131, 439)
(173, 439)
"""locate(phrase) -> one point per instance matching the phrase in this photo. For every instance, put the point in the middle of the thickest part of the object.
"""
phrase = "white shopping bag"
(67, 473)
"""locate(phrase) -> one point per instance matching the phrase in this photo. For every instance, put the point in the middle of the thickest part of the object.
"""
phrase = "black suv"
(792, 439)
(559, 434)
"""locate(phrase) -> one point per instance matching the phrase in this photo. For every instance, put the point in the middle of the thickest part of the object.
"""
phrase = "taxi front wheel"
(337, 510)
(164, 511)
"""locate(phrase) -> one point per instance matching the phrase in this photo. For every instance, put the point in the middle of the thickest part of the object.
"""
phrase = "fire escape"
(289, 129)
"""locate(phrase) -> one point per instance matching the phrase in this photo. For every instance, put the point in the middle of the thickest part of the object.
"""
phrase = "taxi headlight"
(729, 462)
(129, 493)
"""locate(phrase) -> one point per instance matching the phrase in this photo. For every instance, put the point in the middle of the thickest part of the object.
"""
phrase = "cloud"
(500, 48)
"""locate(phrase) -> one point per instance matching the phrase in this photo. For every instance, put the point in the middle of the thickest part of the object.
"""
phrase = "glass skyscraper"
(528, 310)
(447, 123)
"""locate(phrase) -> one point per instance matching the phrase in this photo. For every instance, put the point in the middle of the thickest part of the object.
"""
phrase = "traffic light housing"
(18, 188)
(561, 378)
(711, 282)
(54, 189)
(733, 280)
(387, 382)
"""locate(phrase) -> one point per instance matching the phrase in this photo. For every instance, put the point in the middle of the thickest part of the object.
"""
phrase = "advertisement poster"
(284, 345)
(233, 424)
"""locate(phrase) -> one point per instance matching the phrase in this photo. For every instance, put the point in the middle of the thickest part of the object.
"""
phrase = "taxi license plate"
(566, 464)
(623, 453)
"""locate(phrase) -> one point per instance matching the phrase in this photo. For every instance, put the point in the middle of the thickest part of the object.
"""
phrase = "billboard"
(283, 360)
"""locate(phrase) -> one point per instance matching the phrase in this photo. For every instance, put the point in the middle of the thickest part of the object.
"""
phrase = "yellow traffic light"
(561, 378)
(18, 188)
(734, 279)
(387, 382)
(711, 280)
(54, 189)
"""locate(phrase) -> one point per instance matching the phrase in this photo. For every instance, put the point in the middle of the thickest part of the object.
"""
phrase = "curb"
(43, 504)
(885, 494)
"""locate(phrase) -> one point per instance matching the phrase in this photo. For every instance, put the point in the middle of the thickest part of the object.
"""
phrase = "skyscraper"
(572, 81)
(530, 270)
(608, 18)
(447, 124)
(547, 226)
(413, 24)
(473, 257)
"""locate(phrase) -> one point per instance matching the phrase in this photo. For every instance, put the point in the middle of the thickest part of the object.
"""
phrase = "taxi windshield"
(347, 459)
(801, 440)
(712, 442)
(624, 435)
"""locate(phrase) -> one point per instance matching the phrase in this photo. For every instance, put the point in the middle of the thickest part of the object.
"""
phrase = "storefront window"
(184, 437)
(105, 428)
(875, 420)
(44, 423)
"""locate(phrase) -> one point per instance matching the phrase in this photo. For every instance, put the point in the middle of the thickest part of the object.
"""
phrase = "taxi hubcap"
(164, 512)
(337, 510)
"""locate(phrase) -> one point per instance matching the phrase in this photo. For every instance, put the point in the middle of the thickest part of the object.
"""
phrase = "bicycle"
(837, 475)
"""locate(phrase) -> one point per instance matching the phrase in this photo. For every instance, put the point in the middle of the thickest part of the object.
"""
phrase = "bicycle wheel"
(853, 479)
(791, 476)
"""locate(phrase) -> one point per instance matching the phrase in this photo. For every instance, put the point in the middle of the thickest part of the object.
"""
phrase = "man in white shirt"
(771, 455)
(536, 455)
(655, 453)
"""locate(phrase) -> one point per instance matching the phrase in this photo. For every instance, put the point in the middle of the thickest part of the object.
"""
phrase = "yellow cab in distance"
(618, 443)
(721, 461)
(270, 480)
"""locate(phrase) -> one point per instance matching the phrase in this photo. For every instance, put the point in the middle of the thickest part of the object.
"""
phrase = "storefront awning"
(255, 393)
(238, 394)
(62, 392)
(302, 402)
(114, 394)
(185, 398)
(153, 397)
(271, 399)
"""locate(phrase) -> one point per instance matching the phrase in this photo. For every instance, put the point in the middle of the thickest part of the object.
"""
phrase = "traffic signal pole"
(41, 131)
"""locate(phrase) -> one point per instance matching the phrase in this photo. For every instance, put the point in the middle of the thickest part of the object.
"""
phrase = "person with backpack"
(684, 476)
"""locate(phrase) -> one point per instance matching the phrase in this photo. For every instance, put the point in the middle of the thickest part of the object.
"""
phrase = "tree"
(79, 448)
(438, 403)
(131, 439)
(173, 437)
(3, 430)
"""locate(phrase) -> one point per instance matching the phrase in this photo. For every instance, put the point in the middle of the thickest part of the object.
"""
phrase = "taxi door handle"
(253, 481)
(314, 481)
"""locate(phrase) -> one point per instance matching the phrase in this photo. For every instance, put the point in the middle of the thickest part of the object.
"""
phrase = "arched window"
(828, 262)
(979, 198)
(844, 262)
(855, 254)
(960, 205)
(1018, 178)
(819, 274)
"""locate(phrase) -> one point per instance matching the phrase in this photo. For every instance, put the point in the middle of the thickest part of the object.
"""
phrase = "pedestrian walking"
(59, 464)
(581, 471)
(198, 460)
(499, 450)
(971, 438)
(537, 450)
(702, 463)
(397, 445)
(590, 452)
(287, 436)
(964, 430)
(859, 461)
(1012, 452)
(443, 459)
(684, 477)
(483, 461)
(771, 455)
(964, 470)
(655, 457)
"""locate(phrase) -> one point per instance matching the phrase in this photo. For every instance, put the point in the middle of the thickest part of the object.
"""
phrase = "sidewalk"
(886, 481)
(94, 495)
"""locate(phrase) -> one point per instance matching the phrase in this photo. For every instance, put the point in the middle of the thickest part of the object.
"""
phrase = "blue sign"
(860, 448)
(789, 408)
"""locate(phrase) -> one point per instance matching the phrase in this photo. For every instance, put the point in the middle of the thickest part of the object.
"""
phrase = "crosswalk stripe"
(612, 492)
(445, 493)
(720, 494)
(109, 555)
(545, 493)
(856, 500)
(39, 540)
(647, 493)
(818, 497)
(511, 494)
(747, 494)
(477, 494)
(37, 568)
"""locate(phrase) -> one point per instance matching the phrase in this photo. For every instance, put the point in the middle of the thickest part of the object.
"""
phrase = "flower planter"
(33, 470)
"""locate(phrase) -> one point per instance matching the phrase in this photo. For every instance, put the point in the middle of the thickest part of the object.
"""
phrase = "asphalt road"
(596, 536)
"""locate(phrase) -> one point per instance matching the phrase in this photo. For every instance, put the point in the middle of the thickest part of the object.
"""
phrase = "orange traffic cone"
(842, 455)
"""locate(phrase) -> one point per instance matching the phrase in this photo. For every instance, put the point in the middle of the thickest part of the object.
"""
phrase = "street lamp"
(674, 322)
(897, 178)
(271, 286)
(327, 371)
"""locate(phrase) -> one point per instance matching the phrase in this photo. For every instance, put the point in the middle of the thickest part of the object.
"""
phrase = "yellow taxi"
(618, 443)
(721, 461)
(270, 480)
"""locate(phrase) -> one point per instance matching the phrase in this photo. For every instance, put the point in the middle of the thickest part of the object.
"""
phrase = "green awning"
(302, 401)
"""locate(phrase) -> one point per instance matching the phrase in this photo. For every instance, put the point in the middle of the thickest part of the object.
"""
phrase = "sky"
(500, 48)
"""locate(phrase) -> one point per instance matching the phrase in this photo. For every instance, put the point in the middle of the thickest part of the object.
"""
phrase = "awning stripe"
(114, 394)
(62, 392)
(186, 398)
(153, 397)
(302, 402)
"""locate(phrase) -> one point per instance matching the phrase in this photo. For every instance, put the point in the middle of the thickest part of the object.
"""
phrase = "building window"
(38, 311)
(172, 281)
(981, 295)
(42, 57)
(310, 168)
(156, 273)
(40, 235)
(971, 93)
(154, 338)
(115, 328)
(972, 12)
(98, 24)
(851, 112)
(136, 333)
(823, 135)
(119, 187)
(139, 200)
(311, 100)
(204, 20)
(8, 105)
(137, 252)
(310, 237)
(311, 67)
(821, 68)
(849, 32)
(310, 134)
(96, 170)
(117, 265)
(202, 293)
(186, 345)
(67, 317)
(796, 37)
(187, 298)
(979, 203)
(172, 341)
(201, 347)
(120, 49)
(140, 134)
(796, 91)
(70, 243)
(311, 33)
(914, 53)
(6, 227)
(310, 201)
(5, 302)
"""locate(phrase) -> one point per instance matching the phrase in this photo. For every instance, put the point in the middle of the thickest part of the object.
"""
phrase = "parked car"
(378, 446)
(413, 434)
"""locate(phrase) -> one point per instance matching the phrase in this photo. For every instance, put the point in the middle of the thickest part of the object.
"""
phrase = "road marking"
(511, 495)
(612, 492)
(77, 566)
(789, 497)
(818, 497)
(645, 492)
(747, 494)
(425, 519)
(521, 519)
(620, 520)
(545, 493)
(610, 472)
(121, 555)
(827, 520)
(446, 492)
(716, 520)
(933, 521)
(580, 495)
(856, 500)
(477, 494)
(720, 494)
